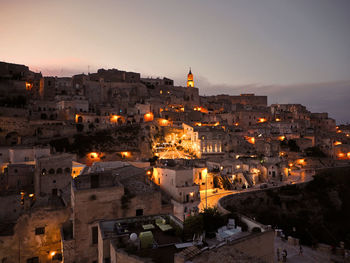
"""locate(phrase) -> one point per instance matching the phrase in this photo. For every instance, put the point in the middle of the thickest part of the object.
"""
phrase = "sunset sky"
(295, 51)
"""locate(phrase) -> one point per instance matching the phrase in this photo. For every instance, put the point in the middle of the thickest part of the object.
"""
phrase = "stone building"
(19, 176)
(321, 122)
(20, 154)
(35, 236)
(157, 82)
(99, 196)
(116, 246)
(115, 75)
(43, 109)
(53, 174)
(47, 88)
(244, 99)
(178, 183)
(212, 140)
(64, 86)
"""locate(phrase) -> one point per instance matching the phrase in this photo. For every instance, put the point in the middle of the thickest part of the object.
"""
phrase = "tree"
(193, 225)
(212, 219)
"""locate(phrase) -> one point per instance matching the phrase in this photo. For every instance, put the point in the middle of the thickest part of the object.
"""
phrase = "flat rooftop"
(132, 178)
(165, 240)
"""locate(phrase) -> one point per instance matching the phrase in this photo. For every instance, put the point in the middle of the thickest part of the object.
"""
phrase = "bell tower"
(190, 82)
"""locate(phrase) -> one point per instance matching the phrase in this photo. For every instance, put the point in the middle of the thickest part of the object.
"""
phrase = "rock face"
(316, 212)
(335, 199)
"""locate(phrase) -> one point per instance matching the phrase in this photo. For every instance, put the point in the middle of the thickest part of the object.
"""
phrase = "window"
(59, 171)
(51, 171)
(67, 170)
(33, 260)
(94, 235)
(139, 212)
(40, 231)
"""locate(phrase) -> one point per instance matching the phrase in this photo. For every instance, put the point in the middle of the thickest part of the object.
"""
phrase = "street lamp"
(205, 173)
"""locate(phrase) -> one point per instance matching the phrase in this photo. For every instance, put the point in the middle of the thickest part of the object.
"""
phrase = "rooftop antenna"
(88, 69)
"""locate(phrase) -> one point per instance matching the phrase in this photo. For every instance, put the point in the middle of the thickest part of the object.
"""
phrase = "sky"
(294, 51)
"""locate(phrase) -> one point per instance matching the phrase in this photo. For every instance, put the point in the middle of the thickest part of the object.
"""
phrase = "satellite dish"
(133, 237)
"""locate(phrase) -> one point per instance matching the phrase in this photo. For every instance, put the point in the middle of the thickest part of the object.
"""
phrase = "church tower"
(190, 82)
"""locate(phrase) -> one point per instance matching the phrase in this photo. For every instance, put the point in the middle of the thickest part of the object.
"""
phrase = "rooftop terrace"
(160, 229)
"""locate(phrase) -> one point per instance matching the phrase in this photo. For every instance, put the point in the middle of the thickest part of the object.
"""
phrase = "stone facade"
(36, 235)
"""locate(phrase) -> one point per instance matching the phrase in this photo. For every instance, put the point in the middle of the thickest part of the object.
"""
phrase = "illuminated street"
(213, 198)
(214, 195)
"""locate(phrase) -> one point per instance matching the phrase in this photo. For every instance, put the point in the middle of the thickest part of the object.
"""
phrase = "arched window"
(59, 171)
(67, 170)
(51, 171)
(43, 171)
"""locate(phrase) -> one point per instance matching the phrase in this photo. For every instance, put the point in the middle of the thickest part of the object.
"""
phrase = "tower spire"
(190, 82)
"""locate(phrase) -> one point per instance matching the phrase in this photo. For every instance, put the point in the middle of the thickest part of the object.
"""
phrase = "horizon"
(230, 45)
(276, 94)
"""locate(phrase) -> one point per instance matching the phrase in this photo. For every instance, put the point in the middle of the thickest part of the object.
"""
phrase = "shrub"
(256, 230)
(193, 225)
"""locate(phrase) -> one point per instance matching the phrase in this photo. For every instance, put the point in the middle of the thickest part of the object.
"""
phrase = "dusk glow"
(230, 45)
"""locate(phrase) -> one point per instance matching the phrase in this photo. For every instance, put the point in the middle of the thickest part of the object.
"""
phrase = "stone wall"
(53, 172)
(13, 112)
(255, 248)
(120, 256)
(10, 207)
(26, 242)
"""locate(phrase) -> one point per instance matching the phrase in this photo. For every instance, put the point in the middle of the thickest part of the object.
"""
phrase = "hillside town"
(113, 166)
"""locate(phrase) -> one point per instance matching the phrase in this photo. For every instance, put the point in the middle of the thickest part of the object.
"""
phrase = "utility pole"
(206, 191)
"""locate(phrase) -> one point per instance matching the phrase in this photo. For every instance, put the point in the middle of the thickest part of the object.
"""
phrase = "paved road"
(213, 197)
(308, 255)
